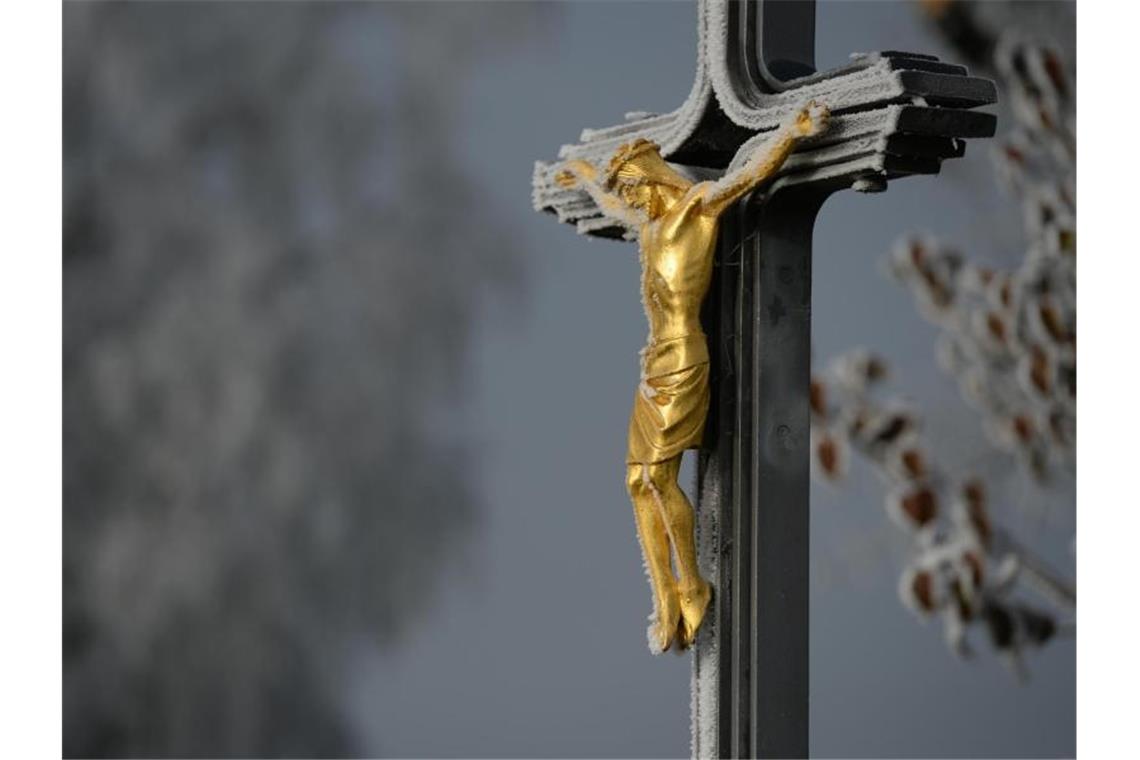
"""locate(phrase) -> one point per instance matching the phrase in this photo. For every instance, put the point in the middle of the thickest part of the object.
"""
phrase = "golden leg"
(653, 534)
(694, 592)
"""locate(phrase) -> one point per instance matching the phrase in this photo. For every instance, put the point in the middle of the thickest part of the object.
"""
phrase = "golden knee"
(635, 480)
(661, 477)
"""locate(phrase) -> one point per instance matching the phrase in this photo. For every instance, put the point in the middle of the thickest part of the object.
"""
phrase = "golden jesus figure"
(677, 221)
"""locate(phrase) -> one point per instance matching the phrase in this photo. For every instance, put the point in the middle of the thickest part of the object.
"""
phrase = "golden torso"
(676, 268)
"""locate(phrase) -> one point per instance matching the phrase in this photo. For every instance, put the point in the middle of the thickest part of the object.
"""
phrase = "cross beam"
(893, 115)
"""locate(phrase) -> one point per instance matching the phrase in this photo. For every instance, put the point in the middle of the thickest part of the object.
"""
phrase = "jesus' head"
(641, 177)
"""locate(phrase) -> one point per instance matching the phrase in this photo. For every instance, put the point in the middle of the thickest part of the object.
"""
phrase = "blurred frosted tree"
(1008, 338)
(272, 264)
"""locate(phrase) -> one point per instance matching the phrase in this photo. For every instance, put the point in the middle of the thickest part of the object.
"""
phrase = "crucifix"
(737, 174)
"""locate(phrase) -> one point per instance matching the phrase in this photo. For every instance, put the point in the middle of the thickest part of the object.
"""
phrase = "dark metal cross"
(893, 114)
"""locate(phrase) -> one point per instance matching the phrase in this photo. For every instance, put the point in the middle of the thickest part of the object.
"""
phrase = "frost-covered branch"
(964, 568)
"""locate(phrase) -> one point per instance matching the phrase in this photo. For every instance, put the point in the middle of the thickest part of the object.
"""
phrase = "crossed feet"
(680, 608)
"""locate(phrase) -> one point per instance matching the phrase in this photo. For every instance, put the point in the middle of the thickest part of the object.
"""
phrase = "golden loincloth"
(672, 400)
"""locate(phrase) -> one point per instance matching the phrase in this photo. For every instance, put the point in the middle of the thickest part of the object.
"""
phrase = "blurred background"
(343, 458)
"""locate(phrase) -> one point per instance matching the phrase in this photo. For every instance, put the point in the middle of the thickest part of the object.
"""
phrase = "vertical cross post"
(754, 474)
(893, 115)
(756, 457)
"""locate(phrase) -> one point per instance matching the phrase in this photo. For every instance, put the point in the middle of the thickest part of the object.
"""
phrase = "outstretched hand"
(574, 172)
(566, 178)
(812, 119)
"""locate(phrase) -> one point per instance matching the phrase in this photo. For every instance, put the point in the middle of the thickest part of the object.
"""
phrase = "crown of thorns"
(623, 156)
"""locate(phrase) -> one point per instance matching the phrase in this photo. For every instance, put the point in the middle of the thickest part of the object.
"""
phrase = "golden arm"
(581, 173)
(811, 120)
